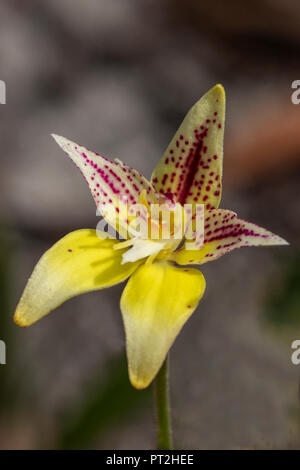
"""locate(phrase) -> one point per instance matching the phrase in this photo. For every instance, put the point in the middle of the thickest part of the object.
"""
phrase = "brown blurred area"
(118, 76)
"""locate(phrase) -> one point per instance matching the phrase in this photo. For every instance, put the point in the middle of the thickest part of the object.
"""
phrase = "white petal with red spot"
(191, 167)
(230, 232)
(113, 184)
(224, 232)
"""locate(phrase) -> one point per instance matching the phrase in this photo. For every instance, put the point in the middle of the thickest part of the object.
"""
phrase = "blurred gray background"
(118, 76)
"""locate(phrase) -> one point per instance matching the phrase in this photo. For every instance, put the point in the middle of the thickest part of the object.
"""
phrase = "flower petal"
(78, 263)
(142, 249)
(113, 184)
(223, 232)
(156, 302)
(191, 167)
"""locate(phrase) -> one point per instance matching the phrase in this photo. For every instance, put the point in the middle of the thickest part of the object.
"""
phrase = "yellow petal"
(114, 186)
(78, 263)
(191, 167)
(224, 232)
(156, 302)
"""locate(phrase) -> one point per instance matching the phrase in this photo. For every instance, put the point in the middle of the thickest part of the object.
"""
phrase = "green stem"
(161, 384)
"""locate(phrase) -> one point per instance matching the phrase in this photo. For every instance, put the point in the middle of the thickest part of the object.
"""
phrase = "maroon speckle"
(193, 161)
(165, 177)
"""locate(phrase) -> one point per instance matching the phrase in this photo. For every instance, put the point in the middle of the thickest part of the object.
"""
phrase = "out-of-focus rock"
(122, 28)
(22, 56)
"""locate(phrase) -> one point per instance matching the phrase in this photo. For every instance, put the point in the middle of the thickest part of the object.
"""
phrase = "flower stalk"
(162, 399)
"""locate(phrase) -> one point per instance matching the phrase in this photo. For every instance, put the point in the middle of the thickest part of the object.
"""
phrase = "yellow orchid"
(161, 294)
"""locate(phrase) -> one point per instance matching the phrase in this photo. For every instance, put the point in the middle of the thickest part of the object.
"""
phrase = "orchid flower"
(162, 292)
